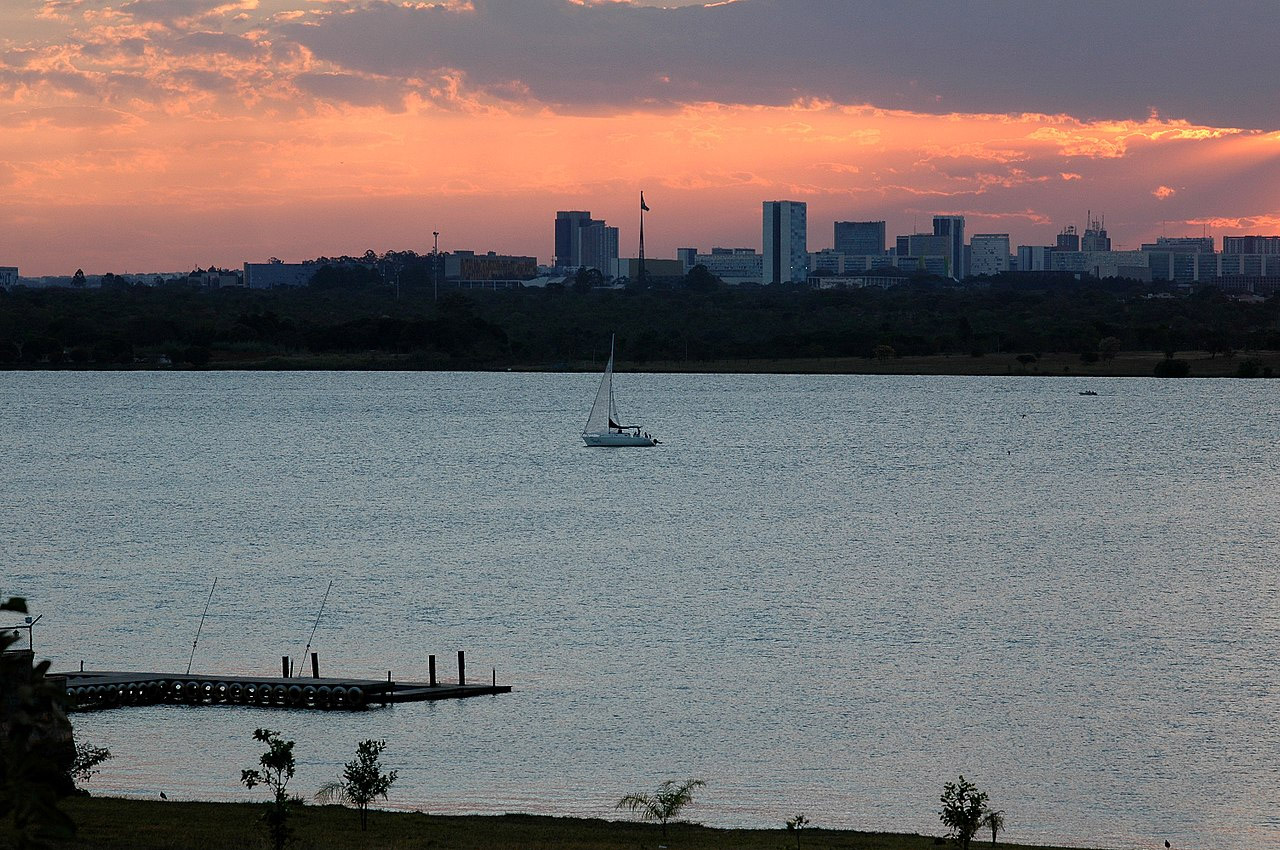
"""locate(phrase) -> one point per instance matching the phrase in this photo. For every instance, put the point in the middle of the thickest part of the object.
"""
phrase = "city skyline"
(155, 135)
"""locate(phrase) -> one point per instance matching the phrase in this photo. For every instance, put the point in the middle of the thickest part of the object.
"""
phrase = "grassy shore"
(118, 824)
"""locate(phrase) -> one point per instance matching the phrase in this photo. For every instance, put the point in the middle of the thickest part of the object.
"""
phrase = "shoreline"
(116, 823)
(1136, 364)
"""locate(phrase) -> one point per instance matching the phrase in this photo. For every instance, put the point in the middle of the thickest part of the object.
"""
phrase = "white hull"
(615, 439)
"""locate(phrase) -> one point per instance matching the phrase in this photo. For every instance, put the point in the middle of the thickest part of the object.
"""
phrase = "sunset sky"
(155, 135)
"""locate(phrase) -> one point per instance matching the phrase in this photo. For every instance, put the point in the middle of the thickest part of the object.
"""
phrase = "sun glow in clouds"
(229, 133)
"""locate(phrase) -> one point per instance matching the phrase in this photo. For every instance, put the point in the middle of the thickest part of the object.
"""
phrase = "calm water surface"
(821, 594)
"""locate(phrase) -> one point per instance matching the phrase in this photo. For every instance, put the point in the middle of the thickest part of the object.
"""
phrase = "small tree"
(362, 781)
(664, 803)
(277, 769)
(994, 821)
(963, 809)
(796, 824)
(86, 762)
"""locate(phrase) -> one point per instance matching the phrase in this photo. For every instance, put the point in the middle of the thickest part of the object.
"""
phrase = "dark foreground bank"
(105, 822)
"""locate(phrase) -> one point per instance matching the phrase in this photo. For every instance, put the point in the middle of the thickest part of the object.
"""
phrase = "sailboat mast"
(613, 411)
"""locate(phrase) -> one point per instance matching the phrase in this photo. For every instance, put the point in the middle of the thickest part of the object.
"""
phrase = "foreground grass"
(110, 823)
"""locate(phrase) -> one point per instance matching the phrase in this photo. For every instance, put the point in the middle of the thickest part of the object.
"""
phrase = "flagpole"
(642, 209)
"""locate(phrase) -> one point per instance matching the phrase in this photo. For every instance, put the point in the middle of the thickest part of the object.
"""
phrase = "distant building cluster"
(861, 255)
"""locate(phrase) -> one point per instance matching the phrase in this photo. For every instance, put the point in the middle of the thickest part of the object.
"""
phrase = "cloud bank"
(260, 127)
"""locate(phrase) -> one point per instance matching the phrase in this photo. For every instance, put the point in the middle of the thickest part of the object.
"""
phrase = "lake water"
(821, 594)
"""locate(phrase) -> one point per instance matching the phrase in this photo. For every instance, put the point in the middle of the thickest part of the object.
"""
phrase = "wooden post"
(284, 666)
(462, 668)
(315, 665)
(495, 677)
(431, 670)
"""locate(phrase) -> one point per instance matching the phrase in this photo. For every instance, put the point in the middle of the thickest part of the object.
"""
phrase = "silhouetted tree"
(963, 809)
(667, 801)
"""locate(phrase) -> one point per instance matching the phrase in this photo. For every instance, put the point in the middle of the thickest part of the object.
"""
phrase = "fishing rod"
(317, 623)
(201, 626)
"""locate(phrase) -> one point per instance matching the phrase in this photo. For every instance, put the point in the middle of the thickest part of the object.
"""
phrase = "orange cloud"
(230, 129)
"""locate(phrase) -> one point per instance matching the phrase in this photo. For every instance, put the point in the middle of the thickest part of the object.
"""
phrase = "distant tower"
(952, 227)
(786, 242)
(1068, 239)
(860, 238)
(1095, 235)
(584, 241)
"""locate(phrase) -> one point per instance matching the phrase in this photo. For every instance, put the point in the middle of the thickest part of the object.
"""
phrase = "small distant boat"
(602, 427)
(1087, 392)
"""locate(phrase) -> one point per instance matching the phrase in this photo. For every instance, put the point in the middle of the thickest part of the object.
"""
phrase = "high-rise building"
(1035, 258)
(928, 245)
(584, 241)
(786, 242)
(1068, 239)
(567, 224)
(989, 253)
(952, 227)
(597, 245)
(1251, 244)
(1095, 235)
(1181, 244)
(860, 238)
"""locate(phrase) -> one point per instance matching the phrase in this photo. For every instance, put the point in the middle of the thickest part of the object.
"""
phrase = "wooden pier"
(90, 690)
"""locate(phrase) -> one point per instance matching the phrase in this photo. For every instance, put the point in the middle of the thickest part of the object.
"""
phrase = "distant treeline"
(345, 314)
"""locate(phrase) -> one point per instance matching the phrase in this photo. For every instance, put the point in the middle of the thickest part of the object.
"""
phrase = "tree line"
(357, 312)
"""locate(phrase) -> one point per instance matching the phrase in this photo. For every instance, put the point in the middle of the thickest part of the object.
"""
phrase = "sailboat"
(602, 427)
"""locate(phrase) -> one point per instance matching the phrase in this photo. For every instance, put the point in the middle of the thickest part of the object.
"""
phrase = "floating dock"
(90, 690)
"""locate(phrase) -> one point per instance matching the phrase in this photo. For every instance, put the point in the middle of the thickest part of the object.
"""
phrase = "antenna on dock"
(317, 623)
(201, 626)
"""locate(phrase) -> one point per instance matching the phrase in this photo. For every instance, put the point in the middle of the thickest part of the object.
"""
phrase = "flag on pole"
(643, 205)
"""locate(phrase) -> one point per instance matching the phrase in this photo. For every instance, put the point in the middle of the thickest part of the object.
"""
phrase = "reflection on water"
(821, 594)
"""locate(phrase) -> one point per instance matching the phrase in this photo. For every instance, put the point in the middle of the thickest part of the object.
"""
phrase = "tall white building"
(988, 253)
(786, 242)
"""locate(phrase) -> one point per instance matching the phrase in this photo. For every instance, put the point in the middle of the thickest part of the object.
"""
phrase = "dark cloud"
(1206, 63)
(170, 11)
(354, 89)
(209, 43)
(70, 82)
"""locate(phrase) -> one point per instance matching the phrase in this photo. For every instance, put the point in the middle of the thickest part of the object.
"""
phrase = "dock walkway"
(89, 690)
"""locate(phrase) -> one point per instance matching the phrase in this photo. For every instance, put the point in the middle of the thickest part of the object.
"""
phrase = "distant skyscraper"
(1068, 239)
(989, 253)
(567, 224)
(860, 238)
(1095, 235)
(952, 227)
(597, 245)
(584, 241)
(786, 241)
